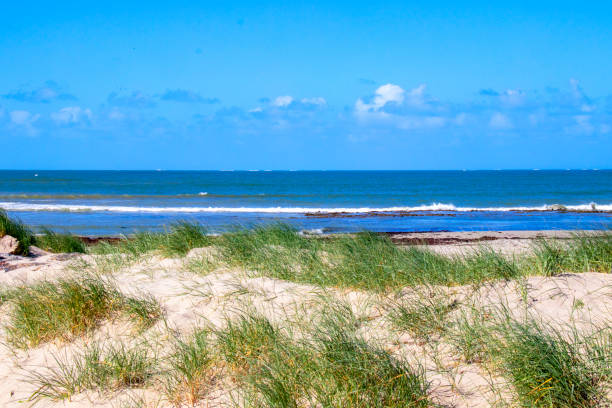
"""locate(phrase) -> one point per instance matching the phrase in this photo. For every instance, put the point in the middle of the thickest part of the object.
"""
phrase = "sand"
(190, 300)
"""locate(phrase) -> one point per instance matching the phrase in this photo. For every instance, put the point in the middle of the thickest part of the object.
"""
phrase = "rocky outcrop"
(9, 245)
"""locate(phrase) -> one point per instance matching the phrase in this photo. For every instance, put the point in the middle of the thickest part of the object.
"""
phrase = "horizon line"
(317, 170)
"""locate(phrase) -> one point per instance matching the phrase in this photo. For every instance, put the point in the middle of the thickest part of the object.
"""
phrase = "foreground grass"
(68, 308)
(547, 367)
(192, 371)
(97, 367)
(332, 366)
(423, 316)
(548, 370)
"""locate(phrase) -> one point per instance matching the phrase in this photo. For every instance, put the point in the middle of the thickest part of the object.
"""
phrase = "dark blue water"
(115, 202)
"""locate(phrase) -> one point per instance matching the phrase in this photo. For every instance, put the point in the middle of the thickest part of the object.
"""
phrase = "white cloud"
(583, 124)
(318, 100)
(385, 94)
(500, 121)
(388, 93)
(71, 114)
(392, 94)
(23, 117)
(282, 101)
(416, 96)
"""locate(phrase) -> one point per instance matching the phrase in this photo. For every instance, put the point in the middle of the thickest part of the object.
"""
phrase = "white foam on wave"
(20, 206)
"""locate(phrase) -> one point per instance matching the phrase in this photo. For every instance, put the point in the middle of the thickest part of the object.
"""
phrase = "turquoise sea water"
(120, 202)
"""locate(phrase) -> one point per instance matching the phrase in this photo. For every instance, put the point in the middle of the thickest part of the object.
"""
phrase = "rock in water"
(558, 207)
(9, 245)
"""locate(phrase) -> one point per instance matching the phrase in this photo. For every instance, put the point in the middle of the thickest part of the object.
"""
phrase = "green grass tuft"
(546, 367)
(18, 230)
(548, 370)
(192, 370)
(185, 236)
(68, 308)
(179, 239)
(246, 341)
(334, 367)
(424, 316)
(144, 311)
(52, 241)
(99, 368)
(364, 261)
(582, 253)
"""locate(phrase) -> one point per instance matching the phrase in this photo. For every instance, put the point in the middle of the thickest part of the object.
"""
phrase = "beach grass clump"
(192, 370)
(97, 367)
(179, 239)
(246, 341)
(277, 248)
(469, 335)
(274, 370)
(583, 253)
(423, 316)
(330, 366)
(365, 260)
(144, 311)
(67, 308)
(547, 366)
(549, 370)
(17, 230)
(52, 241)
(359, 374)
(184, 236)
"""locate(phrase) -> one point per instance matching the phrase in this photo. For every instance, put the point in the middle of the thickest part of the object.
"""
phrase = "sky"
(305, 85)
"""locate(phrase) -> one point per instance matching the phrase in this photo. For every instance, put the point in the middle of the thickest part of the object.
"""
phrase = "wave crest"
(434, 207)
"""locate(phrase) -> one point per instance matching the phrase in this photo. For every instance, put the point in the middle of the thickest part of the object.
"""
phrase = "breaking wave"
(435, 207)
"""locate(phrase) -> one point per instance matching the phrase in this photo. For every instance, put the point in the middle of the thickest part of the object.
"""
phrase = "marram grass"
(192, 371)
(67, 308)
(372, 262)
(547, 366)
(331, 366)
(177, 240)
(366, 260)
(56, 242)
(97, 367)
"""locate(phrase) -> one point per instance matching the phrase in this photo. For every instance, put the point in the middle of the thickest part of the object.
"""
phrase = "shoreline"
(420, 237)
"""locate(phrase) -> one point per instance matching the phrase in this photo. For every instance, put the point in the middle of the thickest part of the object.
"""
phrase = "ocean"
(109, 203)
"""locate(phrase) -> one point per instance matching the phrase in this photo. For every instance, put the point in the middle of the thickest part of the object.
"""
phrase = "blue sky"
(305, 85)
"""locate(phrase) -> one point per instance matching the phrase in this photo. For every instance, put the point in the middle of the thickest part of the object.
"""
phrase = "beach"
(305, 289)
(305, 204)
(306, 314)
